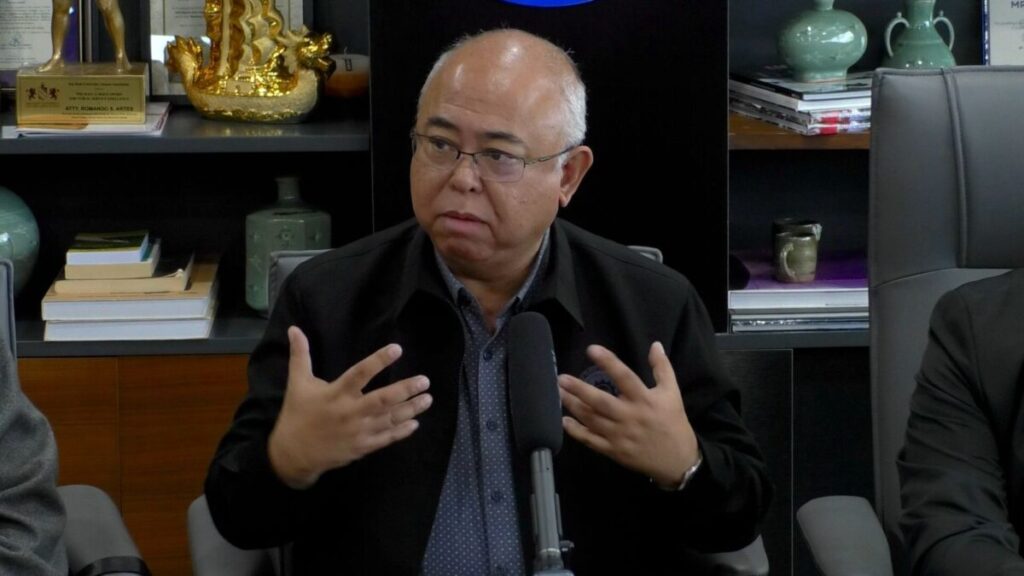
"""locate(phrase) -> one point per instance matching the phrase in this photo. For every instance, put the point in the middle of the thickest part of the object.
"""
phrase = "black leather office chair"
(946, 207)
(95, 537)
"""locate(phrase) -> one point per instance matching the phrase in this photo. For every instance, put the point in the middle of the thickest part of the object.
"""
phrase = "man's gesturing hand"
(328, 425)
(643, 429)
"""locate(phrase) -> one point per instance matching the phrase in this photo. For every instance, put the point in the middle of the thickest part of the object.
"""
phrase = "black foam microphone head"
(533, 384)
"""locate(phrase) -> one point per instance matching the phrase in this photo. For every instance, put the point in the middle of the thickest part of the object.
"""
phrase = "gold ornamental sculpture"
(258, 71)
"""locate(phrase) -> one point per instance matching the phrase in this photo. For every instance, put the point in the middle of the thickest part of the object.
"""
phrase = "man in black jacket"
(375, 435)
(962, 467)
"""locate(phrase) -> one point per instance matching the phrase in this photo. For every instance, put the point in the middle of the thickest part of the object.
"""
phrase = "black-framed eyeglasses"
(491, 164)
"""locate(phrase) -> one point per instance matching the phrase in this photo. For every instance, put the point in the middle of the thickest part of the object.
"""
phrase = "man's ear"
(574, 169)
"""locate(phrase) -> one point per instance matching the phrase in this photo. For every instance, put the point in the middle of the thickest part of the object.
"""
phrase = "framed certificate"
(25, 36)
(1003, 31)
(170, 18)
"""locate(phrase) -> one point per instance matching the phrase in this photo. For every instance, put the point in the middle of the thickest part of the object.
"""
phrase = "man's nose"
(466, 173)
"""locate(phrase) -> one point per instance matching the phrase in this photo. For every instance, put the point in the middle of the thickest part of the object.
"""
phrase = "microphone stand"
(547, 517)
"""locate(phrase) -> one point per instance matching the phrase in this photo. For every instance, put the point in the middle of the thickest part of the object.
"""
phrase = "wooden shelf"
(188, 133)
(750, 134)
(232, 334)
(789, 340)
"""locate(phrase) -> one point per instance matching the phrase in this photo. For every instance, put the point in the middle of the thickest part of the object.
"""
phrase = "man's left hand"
(644, 429)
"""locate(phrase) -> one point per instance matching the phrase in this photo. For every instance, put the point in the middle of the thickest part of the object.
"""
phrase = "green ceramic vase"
(822, 43)
(288, 224)
(919, 45)
(19, 236)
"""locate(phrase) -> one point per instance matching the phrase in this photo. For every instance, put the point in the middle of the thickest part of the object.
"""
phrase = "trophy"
(70, 93)
(257, 71)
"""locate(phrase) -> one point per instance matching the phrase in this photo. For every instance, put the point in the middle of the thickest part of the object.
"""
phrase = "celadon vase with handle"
(919, 45)
(820, 44)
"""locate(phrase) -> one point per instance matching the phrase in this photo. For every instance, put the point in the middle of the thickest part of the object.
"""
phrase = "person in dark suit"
(376, 437)
(962, 467)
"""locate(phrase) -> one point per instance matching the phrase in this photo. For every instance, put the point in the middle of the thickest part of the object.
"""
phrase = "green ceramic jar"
(288, 224)
(19, 236)
(919, 45)
(821, 44)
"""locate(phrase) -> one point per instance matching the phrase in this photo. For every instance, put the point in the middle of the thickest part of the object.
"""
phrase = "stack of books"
(809, 108)
(118, 286)
(837, 299)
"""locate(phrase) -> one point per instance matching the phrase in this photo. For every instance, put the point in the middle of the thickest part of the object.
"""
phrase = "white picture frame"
(1003, 32)
(25, 37)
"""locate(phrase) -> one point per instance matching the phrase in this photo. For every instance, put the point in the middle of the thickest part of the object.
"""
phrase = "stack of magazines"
(809, 108)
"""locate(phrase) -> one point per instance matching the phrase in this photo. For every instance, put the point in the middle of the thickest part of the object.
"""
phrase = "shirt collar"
(456, 289)
(554, 281)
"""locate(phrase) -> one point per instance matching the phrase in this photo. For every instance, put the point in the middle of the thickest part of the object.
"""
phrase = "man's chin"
(460, 250)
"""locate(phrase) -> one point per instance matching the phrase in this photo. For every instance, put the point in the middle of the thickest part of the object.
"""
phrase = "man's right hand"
(325, 425)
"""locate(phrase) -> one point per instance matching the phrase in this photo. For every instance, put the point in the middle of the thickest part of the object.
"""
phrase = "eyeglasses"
(492, 165)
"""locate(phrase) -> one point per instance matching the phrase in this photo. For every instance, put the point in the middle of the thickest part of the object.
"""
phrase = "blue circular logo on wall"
(547, 3)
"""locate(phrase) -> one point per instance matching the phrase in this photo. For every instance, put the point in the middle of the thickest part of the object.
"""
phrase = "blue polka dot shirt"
(476, 530)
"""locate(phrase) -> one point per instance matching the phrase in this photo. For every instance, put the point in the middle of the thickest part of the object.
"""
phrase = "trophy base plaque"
(81, 94)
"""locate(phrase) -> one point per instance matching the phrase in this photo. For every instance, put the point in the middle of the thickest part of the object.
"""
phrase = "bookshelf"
(182, 204)
(825, 387)
(160, 406)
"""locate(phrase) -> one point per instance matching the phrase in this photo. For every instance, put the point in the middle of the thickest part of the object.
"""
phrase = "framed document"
(1003, 31)
(25, 36)
(170, 18)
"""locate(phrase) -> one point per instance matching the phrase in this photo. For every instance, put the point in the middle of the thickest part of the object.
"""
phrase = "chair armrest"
(748, 561)
(212, 555)
(95, 536)
(844, 536)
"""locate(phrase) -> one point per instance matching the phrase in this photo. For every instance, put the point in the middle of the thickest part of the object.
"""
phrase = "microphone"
(537, 429)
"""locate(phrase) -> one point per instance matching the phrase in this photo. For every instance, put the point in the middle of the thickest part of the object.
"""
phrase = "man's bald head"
(515, 50)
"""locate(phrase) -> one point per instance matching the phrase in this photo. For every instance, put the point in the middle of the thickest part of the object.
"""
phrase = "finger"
(664, 374)
(585, 436)
(360, 374)
(299, 363)
(598, 400)
(400, 414)
(388, 437)
(385, 399)
(629, 384)
(585, 414)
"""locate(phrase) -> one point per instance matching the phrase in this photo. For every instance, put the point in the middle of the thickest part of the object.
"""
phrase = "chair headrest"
(953, 135)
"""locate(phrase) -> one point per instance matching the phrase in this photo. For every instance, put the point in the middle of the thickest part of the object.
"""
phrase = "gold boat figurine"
(258, 71)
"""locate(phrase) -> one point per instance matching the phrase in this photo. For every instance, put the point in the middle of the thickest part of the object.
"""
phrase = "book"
(811, 129)
(836, 313)
(829, 116)
(171, 275)
(142, 269)
(778, 79)
(153, 329)
(799, 324)
(798, 104)
(840, 284)
(108, 247)
(190, 303)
